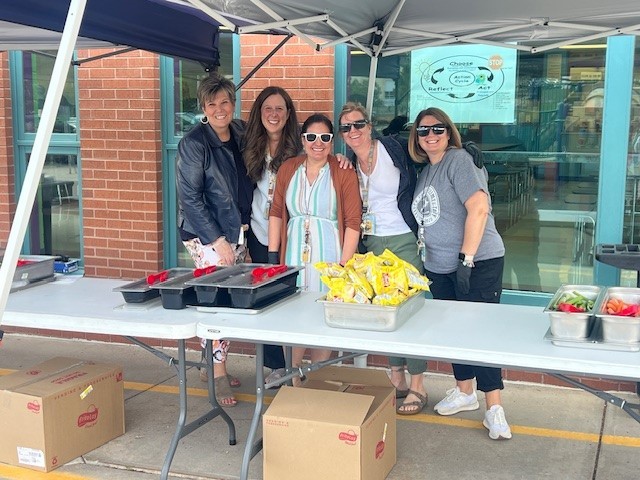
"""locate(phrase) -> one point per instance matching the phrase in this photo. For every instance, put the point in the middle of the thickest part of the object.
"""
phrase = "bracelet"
(467, 260)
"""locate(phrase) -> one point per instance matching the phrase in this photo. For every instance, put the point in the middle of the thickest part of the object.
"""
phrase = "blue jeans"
(486, 287)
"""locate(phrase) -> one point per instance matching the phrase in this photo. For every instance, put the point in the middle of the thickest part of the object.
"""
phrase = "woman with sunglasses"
(387, 181)
(462, 251)
(315, 214)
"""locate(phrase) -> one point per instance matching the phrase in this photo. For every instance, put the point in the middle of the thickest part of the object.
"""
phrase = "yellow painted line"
(18, 473)
(422, 417)
(431, 419)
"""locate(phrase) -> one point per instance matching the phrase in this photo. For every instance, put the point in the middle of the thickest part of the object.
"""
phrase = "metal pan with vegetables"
(571, 310)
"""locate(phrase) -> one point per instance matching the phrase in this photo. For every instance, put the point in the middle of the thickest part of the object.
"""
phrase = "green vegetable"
(576, 299)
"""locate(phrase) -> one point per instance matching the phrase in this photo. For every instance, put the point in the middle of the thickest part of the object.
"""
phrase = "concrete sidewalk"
(558, 433)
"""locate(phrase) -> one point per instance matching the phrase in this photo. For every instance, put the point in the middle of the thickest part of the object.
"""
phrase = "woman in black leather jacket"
(214, 198)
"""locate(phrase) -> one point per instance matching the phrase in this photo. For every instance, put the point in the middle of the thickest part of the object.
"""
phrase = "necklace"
(368, 222)
(271, 184)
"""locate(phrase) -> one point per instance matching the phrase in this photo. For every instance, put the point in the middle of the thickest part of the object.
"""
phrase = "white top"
(259, 213)
(509, 336)
(383, 195)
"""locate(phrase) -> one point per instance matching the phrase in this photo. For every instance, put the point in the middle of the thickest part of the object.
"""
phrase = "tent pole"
(373, 71)
(40, 147)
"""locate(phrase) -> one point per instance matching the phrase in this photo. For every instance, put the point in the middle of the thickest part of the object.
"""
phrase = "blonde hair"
(353, 107)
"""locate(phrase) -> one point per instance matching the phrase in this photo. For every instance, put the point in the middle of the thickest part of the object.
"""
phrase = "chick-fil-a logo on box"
(88, 418)
(33, 406)
(350, 437)
(34, 372)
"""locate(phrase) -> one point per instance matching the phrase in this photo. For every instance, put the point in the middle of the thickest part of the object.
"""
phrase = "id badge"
(306, 253)
(368, 224)
(266, 210)
(422, 251)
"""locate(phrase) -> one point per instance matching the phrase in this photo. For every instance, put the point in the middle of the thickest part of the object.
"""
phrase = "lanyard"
(364, 186)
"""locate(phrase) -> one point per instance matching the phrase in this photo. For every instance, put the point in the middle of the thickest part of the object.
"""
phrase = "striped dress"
(320, 203)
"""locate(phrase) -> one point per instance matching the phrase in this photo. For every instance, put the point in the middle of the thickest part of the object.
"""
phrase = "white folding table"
(89, 305)
(499, 335)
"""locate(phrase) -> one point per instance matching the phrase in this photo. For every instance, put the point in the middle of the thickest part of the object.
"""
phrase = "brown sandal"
(419, 404)
(234, 382)
(224, 395)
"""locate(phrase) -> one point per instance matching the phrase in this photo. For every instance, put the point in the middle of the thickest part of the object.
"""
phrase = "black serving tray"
(235, 287)
(140, 291)
(175, 292)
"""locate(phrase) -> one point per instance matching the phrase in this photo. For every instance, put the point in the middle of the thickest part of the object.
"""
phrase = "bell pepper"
(567, 307)
(629, 311)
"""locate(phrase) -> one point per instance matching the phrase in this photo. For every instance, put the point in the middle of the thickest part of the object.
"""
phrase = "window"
(55, 227)
(543, 167)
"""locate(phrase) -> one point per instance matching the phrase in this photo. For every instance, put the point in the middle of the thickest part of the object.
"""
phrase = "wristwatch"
(467, 260)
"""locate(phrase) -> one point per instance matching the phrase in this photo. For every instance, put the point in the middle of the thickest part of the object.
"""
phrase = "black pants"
(486, 286)
(273, 354)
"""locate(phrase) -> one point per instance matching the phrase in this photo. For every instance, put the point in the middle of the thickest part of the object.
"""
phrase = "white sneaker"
(456, 401)
(274, 376)
(496, 423)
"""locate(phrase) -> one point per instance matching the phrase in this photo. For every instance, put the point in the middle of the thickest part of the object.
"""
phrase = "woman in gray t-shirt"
(462, 252)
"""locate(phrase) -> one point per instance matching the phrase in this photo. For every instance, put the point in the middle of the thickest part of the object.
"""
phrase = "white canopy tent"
(376, 27)
(388, 27)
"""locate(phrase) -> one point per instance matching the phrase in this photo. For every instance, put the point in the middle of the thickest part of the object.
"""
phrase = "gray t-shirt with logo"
(438, 205)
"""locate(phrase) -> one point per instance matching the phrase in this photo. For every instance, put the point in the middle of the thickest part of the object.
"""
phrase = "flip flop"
(401, 393)
(224, 395)
(419, 404)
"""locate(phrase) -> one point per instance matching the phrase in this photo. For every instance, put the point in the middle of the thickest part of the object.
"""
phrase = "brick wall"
(307, 75)
(7, 173)
(121, 151)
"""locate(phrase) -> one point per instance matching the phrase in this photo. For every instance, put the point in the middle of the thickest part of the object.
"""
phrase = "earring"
(204, 120)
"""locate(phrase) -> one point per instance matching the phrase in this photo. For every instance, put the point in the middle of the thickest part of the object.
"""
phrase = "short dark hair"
(317, 118)
(214, 83)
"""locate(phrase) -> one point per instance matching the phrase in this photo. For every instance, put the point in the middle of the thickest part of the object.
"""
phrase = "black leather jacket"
(207, 184)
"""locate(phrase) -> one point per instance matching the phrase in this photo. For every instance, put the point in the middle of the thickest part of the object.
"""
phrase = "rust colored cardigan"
(345, 182)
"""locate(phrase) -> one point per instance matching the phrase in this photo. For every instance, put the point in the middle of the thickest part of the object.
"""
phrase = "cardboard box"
(58, 410)
(341, 424)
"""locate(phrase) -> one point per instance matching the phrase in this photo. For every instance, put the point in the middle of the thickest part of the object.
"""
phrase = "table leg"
(632, 409)
(213, 401)
(253, 447)
(182, 428)
(182, 417)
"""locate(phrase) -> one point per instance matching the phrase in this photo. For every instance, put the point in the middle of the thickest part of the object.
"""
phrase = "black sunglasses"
(312, 137)
(437, 129)
(358, 125)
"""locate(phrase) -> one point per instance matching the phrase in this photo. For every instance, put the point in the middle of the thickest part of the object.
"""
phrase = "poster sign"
(472, 83)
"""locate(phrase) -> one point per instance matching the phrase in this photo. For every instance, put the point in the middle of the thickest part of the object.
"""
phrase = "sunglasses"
(358, 125)
(312, 137)
(437, 129)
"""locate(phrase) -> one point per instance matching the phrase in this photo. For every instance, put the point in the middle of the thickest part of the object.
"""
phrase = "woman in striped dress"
(316, 212)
